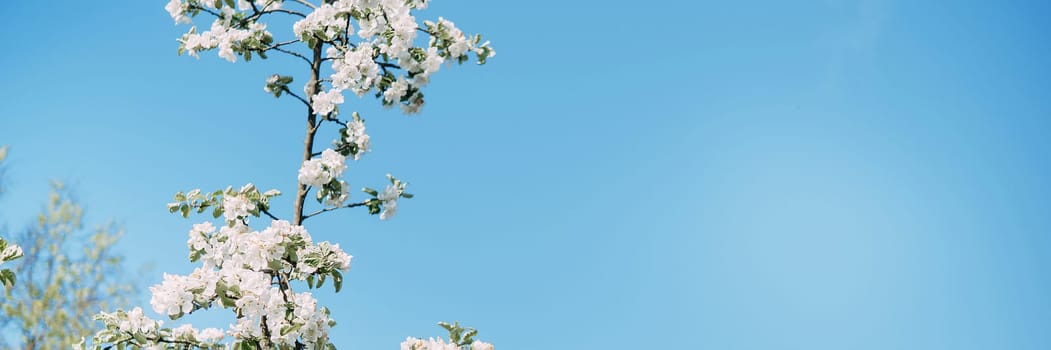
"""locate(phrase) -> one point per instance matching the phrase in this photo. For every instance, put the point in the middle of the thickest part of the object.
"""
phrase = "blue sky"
(745, 175)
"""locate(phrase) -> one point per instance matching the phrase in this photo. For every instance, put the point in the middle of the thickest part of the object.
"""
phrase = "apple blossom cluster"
(134, 329)
(8, 252)
(386, 32)
(233, 32)
(354, 141)
(248, 272)
(319, 171)
(368, 41)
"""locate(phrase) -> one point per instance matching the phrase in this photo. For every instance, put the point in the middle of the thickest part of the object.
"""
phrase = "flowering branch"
(250, 272)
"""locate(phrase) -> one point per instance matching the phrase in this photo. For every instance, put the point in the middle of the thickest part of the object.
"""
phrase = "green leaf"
(226, 301)
(7, 277)
(370, 191)
(337, 280)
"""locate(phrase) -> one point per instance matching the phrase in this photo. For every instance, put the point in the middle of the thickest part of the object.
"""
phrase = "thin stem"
(426, 31)
(352, 205)
(294, 13)
(387, 65)
(287, 91)
(264, 211)
(293, 53)
(283, 43)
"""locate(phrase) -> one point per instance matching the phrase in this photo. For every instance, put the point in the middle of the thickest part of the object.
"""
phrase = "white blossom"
(429, 344)
(319, 171)
(396, 91)
(177, 10)
(137, 322)
(172, 297)
(389, 196)
(481, 345)
(211, 335)
(334, 162)
(356, 135)
(354, 69)
(235, 207)
(185, 331)
(326, 102)
(313, 173)
(199, 236)
(322, 22)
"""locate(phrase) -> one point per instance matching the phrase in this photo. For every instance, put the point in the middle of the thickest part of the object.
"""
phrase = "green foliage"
(459, 335)
(67, 274)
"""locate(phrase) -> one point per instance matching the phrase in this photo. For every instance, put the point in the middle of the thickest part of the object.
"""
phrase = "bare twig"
(293, 53)
(287, 91)
(352, 205)
(264, 211)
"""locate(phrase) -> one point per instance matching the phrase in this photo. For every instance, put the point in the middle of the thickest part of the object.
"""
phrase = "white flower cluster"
(356, 135)
(439, 344)
(322, 23)
(237, 272)
(135, 323)
(387, 30)
(354, 69)
(236, 206)
(231, 32)
(318, 172)
(389, 197)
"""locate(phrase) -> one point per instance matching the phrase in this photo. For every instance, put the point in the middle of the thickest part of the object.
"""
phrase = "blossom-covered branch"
(357, 46)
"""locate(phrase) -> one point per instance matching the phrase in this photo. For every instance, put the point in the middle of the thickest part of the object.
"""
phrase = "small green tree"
(66, 274)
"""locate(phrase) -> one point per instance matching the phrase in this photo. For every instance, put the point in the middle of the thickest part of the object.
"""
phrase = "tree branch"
(308, 142)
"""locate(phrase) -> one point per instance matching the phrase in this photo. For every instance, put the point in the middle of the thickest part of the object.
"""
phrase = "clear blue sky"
(715, 175)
